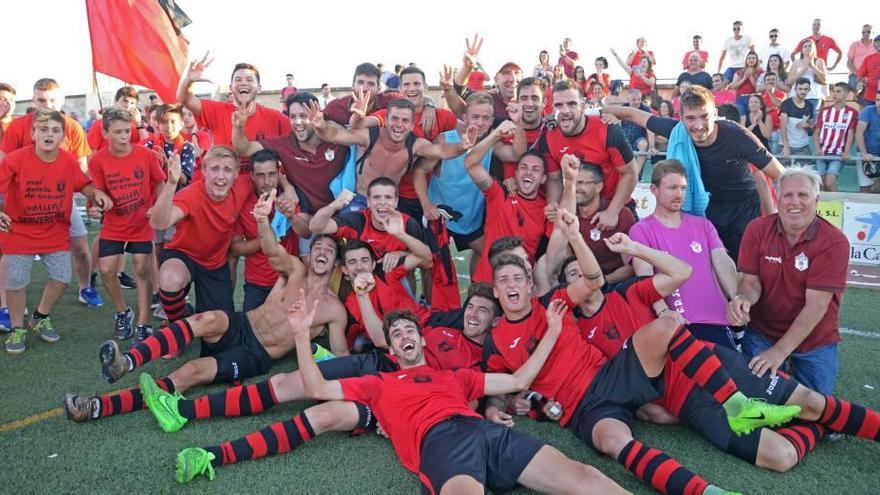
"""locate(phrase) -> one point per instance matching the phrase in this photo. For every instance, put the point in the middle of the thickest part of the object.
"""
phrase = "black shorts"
(213, 287)
(463, 240)
(113, 248)
(412, 207)
(731, 217)
(617, 390)
(254, 296)
(718, 334)
(239, 353)
(368, 363)
(493, 454)
(703, 414)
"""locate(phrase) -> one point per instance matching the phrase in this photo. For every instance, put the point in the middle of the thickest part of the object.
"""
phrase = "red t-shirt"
(339, 110)
(532, 138)
(18, 135)
(257, 269)
(409, 402)
(359, 225)
(636, 82)
(131, 182)
(97, 141)
(870, 69)
(773, 110)
(747, 88)
(449, 349)
(623, 313)
(818, 261)
(824, 44)
(311, 173)
(264, 123)
(39, 199)
(445, 121)
(568, 371)
(205, 231)
(597, 143)
(511, 215)
(704, 56)
(608, 259)
(569, 66)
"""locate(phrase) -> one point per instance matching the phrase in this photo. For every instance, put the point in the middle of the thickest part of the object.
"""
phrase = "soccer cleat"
(192, 462)
(15, 343)
(44, 328)
(142, 332)
(114, 364)
(320, 353)
(756, 413)
(714, 490)
(5, 321)
(89, 296)
(125, 281)
(162, 404)
(78, 409)
(123, 324)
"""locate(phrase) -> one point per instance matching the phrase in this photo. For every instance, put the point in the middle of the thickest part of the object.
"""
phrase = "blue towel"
(681, 148)
(279, 224)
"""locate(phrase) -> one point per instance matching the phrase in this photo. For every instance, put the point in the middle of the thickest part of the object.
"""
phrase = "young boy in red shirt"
(38, 182)
(132, 176)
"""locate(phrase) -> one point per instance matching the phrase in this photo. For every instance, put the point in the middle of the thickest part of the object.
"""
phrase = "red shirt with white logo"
(265, 123)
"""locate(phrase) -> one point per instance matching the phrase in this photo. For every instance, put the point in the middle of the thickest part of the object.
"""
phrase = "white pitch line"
(860, 333)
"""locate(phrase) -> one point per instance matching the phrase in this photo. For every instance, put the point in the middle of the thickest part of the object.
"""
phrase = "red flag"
(136, 41)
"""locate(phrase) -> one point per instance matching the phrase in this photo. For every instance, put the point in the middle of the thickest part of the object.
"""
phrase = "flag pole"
(97, 91)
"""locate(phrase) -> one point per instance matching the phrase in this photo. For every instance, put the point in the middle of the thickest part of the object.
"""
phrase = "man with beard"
(235, 346)
(261, 123)
(530, 94)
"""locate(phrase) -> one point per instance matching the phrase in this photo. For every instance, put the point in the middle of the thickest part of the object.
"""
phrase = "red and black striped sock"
(804, 435)
(243, 400)
(128, 400)
(167, 340)
(173, 303)
(276, 438)
(662, 472)
(701, 365)
(843, 416)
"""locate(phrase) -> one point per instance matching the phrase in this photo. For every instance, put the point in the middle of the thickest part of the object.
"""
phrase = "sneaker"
(162, 404)
(756, 413)
(142, 332)
(125, 281)
(15, 343)
(320, 353)
(5, 321)
(89, 296)
(44, 328)
(78, 409)
(123, 326)
(114, 364)
(155, 302)
(192, 462)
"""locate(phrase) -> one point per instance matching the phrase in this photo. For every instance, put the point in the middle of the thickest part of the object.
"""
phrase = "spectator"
(600, 76)
(720, 93)
(737, 46)
(812, 68)
(87, 125)
(694, 72)
(126, 99)
(568, 58)
(154, 100)
(835, 129)
(386, 74)
(201, 139)
(757, 120)
(775, 48)
(703, 54)
(543, 66)
(868, 141)
(325, 97)
(287, 90)
(666, 109)
(559, 73)
(824, 44)
(775, 65)
(641, 77)
(794, 268)
(634, 59)
(640, 139)
(773, 98)
(869, 72)
(596, 96)
(856, 54)
(745, 81)
(580, 77)
(796, 121)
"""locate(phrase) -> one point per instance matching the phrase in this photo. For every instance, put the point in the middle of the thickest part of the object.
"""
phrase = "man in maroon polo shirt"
(793, 266)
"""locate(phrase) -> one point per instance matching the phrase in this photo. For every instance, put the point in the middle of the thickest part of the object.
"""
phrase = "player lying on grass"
(235, 346)
(425, 413)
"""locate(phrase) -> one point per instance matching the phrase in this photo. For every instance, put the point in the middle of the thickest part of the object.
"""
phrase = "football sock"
(167, 340)
(662, 472)
(173, 303)
(242, 400)
(851, 419)
(803, 435)
(276, 438)
(701, 365)
(127, 400)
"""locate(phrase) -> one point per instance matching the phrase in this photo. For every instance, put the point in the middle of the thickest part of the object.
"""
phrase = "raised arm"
(592, 279)
(279, 259)
(362, 285)
(473, 160)
(671, 272)
(243, 146)
(395, 226)
(634, 115)
(454, 100)
(193, 75)
(622, 62)
(322, 222)
(164, 214)
(300, 317)
(332, 132)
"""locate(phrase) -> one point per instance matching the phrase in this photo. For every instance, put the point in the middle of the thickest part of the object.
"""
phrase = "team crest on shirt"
(696, 247)
(138, 173)
(595, 234)
(329, 155)
(801, 262)
(445, 346)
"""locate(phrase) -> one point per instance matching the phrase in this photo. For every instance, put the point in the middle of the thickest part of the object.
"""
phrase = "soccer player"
(126, 99)
(38, 182)
(132, 176)
(235, 345)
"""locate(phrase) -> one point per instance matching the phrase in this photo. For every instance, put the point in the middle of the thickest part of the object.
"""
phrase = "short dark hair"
(304, 98)
(7, 87)
(561, 278)
(603, 60)
(288, 75)
(729, 111)
(413, 70)
(843, 85)
(244, 65)
(664, 168)
(484, 290)
(503, 260)
(45, 84)
(324, 85)
(594, 169)
(317, 237)
(802, 80)
(401, 103)
(161, 110)
(112, 115)
(355, 244)
(366, 69)
(125, 92)
(265, 155)
(567, 84)
(530, 81)
(695, 97)
(697, 37)
(393, 317)
(504, 244)
(536, 154)
(381, 181)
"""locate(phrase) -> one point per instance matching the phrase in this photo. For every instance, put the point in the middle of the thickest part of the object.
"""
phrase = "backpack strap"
(374, 137)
